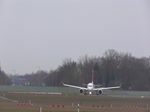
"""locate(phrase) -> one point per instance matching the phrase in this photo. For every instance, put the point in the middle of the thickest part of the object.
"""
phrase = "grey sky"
(42, 33)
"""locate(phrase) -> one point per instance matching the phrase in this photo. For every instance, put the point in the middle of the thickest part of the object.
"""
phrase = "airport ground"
(11, 101)
(30, 102)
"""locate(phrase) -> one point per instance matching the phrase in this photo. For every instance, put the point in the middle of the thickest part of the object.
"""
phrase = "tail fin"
(92, 76)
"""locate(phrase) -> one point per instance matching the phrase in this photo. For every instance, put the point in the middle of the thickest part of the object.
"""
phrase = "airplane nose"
(90, 88)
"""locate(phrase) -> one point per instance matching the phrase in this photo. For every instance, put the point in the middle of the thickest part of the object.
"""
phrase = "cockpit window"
(90, 86)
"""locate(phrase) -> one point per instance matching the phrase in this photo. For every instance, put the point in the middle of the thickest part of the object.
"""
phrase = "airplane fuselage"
(90, 87)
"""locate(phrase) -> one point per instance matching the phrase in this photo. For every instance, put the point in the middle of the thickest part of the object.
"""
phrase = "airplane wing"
(100, 85)
(78, 87)
(104, 88)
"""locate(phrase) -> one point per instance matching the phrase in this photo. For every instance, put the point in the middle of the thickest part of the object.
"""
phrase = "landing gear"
(85, 93)
(90, 93)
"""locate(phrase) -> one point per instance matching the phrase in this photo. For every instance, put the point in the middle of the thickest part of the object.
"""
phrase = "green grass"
(119, 104)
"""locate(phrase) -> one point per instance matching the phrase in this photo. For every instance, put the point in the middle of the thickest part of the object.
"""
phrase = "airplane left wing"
(104, 88)
(78, 87)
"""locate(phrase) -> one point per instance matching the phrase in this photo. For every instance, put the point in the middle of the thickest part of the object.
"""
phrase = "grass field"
(68, 103)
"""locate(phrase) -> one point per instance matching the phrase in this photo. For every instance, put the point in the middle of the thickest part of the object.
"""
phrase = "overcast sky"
(40, 34)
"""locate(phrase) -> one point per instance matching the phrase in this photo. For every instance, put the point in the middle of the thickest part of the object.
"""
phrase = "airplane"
(91, 87)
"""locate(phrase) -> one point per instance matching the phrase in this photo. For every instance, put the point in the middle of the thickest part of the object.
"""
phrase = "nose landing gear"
(90, 93)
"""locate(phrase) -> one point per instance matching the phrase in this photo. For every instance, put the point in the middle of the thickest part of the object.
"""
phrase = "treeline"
(4, 79)
(111, 69)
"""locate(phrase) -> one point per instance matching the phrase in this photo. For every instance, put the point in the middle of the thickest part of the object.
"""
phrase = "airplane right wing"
(78, 87)
(102, 88)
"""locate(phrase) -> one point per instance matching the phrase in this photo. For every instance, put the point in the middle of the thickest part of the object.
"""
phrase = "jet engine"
(100, 91)
(81, 90)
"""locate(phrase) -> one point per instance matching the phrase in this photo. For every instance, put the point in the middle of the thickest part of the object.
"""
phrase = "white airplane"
(91, 87)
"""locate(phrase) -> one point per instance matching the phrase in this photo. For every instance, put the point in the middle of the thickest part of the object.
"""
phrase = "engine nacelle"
(81, 91)
(100, 91)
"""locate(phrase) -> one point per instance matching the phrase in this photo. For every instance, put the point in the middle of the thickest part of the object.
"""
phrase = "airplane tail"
(92, 76)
